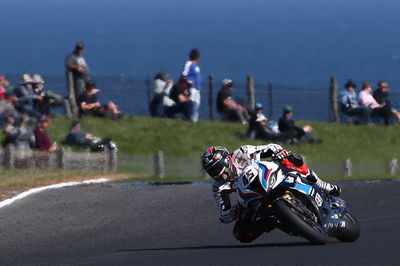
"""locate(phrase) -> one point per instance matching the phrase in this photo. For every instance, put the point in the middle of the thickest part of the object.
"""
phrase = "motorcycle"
(279, 194)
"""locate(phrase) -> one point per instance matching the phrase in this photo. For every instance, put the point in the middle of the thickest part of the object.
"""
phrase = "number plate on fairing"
(249, 173)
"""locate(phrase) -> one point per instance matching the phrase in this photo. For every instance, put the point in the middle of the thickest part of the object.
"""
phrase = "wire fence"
(133, 96)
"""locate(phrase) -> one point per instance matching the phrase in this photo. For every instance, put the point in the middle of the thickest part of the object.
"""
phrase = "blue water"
(292, 42)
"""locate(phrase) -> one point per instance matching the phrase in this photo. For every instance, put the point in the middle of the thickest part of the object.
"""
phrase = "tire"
(351, 232)
(290, 218)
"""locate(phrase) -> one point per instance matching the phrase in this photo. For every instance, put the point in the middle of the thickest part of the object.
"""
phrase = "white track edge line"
(39, 189)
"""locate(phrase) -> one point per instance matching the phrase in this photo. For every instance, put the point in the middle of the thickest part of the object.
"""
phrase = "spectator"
(259, 127)
(50, 99)
(43, 141)
(7, 108)
(90, 106)
(2, 87)
(180, 94)
(366, 99)
(21, 136)
(287, 126)
(227, 107)
(381, 95)
(191, 72)
(78, 137)
(161, 90)
(77, 65)
(349, 104)
(27, 98)
(4, 83)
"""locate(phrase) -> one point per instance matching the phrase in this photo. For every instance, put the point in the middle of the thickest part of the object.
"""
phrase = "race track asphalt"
(114, 224)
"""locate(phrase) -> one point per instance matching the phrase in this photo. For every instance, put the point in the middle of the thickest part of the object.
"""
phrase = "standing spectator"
(50, 99)
(27, 98)
(43, 141)
(191, 72)
(161, 89)
(90, 106)
(366, 99)
(287, 126)
(227, 107)
(78, 137)
(381, 95)
(180, 94)
(77, 65)
(349, 104)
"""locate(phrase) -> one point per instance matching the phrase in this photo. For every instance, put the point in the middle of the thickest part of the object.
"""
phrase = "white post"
(393, 166)
(348, 168)
(159, 165)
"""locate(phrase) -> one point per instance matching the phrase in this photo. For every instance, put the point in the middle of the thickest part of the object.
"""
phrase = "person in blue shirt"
(191, 72)
(349, 103)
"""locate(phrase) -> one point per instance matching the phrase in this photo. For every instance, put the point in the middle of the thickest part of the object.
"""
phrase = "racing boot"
(331, 189)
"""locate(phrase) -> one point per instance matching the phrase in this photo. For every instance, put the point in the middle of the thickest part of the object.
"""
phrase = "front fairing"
(257, 180)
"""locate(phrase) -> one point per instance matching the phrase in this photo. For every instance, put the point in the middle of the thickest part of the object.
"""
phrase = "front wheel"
(296, 221)
(351, 231)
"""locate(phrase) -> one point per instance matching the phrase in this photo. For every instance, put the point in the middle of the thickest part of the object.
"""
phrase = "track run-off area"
(125, 224)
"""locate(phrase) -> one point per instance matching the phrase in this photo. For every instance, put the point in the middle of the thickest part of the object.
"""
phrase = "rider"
(225, 168)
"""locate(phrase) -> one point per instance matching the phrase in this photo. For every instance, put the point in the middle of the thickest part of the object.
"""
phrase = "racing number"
(248, 177)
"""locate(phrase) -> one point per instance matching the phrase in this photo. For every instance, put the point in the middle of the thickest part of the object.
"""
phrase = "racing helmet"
(218, 163)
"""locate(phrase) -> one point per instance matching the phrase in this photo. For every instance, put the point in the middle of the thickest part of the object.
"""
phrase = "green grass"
(370, 148)
(145, 136)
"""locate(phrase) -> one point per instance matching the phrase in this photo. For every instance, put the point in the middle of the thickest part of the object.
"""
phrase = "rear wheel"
(297, 222)
(351, 231)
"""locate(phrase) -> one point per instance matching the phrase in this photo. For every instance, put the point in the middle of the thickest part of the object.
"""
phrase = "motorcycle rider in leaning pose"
(225, 168)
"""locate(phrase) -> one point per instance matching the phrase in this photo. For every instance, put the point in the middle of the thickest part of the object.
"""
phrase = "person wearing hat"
(50, 99)
(294, 133)
(191, 72)
(43, 141)
(27, 99)
(78, 137)
(229, 109)
(90, 106)
(259, 127)
(76, 64)
(349, 104)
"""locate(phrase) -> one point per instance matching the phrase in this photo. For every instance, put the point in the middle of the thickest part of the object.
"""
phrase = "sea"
(296, 45)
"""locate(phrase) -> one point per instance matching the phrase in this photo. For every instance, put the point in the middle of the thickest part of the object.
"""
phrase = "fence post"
(270, 113)
(71, 93)
(149, 91)
(9, 157)
(250, 92)
(60, 158)
(159, 165)
(210, 96)
(112, 160)
(393, 166)
(333, 99)
(348, 168)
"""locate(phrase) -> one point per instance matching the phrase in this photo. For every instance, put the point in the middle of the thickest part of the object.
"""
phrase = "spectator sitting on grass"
(227, 107)
(161, 89)
(260, 129)
(9, 89)
(50, 99)
(21, 136)
(287, 126)
(27, 97)
(43, 141)
(349, 104)
(180, 94)
(78, 137)
(90, 106)
(381, 95)
(377, 110)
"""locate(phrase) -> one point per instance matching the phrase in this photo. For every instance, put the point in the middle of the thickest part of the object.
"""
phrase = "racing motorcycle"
(279, 193)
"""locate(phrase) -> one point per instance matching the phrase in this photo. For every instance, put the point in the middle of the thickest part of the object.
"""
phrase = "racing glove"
(280, 155)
